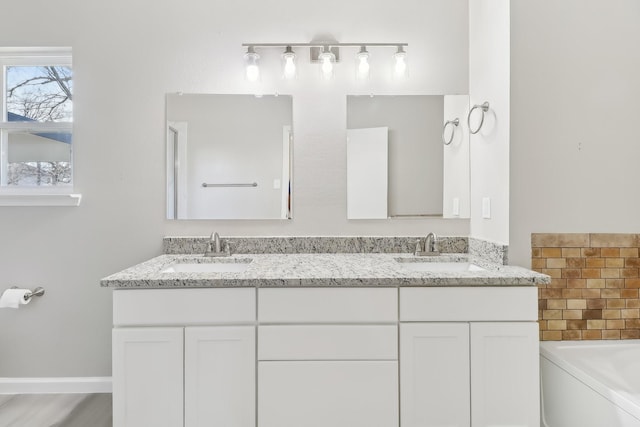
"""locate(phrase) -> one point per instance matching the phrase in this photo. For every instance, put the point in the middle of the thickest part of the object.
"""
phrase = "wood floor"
(55, 410)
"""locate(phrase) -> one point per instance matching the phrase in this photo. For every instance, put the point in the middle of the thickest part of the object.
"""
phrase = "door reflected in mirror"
(229, 156)
(398, 164)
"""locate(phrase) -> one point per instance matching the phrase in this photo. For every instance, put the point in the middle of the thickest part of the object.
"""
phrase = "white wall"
(127, 56)
(456, 180)
(575, 85)
(489, 81)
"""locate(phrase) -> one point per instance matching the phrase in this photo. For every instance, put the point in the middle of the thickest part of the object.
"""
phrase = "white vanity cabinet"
(478, 368)
(147, 377)
(434, 375)
(184, 358)
(328, 357)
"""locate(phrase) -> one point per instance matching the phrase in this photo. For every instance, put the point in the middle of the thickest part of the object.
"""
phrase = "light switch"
(486, 207)
(276, 184)
(456, 207)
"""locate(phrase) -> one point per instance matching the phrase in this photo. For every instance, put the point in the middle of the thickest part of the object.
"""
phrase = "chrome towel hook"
(455, 122)
(484, 107)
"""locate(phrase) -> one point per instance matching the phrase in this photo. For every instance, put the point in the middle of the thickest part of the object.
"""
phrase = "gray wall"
(575, 85)
(127, 56)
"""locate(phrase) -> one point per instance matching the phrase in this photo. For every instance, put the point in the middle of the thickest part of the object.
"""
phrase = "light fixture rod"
(320, 44)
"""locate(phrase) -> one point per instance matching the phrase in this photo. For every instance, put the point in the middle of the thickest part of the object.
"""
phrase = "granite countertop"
(315, 270)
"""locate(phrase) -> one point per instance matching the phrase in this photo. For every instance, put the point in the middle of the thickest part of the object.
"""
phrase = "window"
(36, 136)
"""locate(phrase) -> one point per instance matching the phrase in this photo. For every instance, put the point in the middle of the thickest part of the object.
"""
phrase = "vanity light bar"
(327, 54)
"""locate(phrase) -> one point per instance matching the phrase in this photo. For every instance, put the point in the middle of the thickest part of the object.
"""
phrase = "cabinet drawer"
(468, 304)
(328, 342)
(147, 307)
(328, 305)
(328, 394)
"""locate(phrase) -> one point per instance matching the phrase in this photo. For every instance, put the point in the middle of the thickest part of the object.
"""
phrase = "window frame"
(59, 195)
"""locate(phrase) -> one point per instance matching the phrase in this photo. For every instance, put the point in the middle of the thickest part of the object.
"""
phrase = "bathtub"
(590, 383)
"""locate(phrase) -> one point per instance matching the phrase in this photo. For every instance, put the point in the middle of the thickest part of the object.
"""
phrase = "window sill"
(69, 199)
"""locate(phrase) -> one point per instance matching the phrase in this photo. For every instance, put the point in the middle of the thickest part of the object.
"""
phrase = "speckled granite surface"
(296, 245)
(320, 269)
(493, 252)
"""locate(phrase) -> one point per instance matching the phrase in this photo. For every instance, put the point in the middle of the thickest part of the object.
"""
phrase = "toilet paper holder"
(37, 292)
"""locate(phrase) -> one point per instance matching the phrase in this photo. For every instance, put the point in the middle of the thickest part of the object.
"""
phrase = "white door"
(147, 377)
(505, 367)
(434, 375)
(367, 173)
(328, 394)
(220, 376)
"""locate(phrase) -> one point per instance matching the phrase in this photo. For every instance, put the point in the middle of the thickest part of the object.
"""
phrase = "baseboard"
(55, 385)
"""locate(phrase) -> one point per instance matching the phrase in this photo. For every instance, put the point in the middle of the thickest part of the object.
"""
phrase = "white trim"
(37, 126)
(180, 157)
(55, 385)
(36, 55)
(67, 199)
(36, 51)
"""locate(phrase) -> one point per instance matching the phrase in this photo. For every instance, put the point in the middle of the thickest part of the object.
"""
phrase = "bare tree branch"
(44, 96)
(60, 81)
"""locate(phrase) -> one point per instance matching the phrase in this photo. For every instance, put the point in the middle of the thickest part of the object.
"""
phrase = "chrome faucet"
(214, 246)
(431, 244)
(430, 247)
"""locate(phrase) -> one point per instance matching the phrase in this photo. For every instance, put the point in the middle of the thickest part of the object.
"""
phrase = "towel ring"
(484, 108)
(455, 122)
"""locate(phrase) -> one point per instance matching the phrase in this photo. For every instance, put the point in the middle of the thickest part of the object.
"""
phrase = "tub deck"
(590, 383)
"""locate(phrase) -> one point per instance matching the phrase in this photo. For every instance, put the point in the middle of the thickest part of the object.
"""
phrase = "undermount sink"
(440, 266)
(236, 266)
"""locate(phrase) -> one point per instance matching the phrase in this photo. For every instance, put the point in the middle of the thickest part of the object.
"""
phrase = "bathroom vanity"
(316, 340)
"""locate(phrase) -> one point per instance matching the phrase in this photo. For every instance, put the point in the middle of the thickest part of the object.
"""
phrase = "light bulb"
(289, 68)
(327, 58)
(327, 67)
(363, 64)
(400, 68)
(252, 71)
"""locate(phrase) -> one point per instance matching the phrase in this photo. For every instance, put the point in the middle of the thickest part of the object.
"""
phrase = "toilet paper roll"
(12, 298)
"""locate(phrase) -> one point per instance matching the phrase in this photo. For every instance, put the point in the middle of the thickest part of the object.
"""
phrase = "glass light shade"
(289, 69)
(363, 67)
(327, 59)
(252, 71)
(400, 64)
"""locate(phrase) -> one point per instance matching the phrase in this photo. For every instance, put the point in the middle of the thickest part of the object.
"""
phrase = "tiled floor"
(55, 410)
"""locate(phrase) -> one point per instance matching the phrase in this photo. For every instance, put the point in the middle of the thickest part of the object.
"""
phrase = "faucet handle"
(418, 248)
(227, 244)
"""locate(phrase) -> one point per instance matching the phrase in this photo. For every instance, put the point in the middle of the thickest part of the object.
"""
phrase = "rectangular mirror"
(229, 156)
(398, 164)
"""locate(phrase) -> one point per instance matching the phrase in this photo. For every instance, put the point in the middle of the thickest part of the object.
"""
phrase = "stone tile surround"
(594, 289)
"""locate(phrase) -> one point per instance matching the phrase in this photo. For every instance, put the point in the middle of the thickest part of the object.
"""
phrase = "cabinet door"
(328, 394)
(220, 376)
(505, 387)
(147, 377)
(434, 375)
